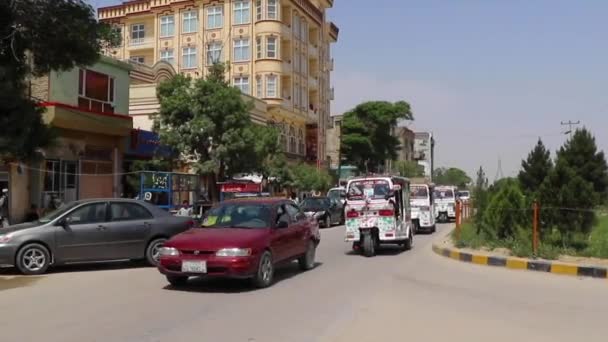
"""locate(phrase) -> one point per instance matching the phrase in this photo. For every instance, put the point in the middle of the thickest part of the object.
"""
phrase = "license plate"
(194, 266)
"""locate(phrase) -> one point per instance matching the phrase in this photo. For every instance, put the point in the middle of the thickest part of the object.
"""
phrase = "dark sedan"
(90, 231)
(325, 210)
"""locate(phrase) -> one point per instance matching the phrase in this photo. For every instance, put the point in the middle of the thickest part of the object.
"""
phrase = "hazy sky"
(487, 77)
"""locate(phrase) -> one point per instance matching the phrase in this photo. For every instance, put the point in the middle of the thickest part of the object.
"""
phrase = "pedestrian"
(185, 210)
(32, 215)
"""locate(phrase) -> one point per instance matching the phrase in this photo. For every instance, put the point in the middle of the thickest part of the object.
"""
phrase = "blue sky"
(487, 77)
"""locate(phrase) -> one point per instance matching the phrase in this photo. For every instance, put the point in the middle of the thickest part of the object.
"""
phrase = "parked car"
(242, 239)
(90, 231)
(325, 210)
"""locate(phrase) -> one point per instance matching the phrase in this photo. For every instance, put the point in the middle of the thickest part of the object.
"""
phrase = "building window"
(301, 145)
(241, 12)
(259, 92)
(137, 59)
(271, 86)
(296, 95)
(304, 31)
(190, 22)
(271, 10)
(305, 97)
(258, 47)
(292, 140)
(296, 26)
(189, 58)
(138, 33)
(95, 91)
(215, 17)
(167, 26)
(241, 50)
(242, 83)
(167, 56)
(304, 66)
(271, 47)
(214, 53)
(296, 62)
(258, 9)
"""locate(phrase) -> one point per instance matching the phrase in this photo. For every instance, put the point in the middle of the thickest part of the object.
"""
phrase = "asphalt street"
(396, 296)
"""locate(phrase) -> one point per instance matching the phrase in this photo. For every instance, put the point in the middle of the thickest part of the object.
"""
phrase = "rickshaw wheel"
(369, 245)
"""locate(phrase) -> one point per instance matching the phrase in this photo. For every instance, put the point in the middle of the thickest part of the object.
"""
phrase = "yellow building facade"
(277, 51)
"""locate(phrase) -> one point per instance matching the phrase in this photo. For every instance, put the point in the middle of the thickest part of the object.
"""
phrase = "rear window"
(374, 189)
(420, 191)
(444, 194)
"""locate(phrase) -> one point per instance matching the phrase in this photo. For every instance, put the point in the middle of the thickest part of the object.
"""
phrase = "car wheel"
(153, 251)
(327, 221)
(33, 259)
(265, 273)
(177, 280)
(307, 261)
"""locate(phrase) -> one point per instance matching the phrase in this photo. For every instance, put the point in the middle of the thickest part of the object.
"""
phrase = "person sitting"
(185, 210)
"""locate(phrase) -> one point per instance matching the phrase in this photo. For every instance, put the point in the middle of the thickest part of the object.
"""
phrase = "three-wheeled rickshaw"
(378, 212)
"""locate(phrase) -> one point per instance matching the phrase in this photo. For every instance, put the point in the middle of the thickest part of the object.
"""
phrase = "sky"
(486, 77)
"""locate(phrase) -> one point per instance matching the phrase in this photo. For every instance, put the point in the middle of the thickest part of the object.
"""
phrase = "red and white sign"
(241, 187)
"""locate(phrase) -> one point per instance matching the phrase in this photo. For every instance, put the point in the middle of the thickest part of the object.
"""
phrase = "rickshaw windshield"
(444, 194)
(374, 189)
(420, 192)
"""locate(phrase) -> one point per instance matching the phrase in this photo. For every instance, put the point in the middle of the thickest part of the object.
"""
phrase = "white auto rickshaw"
(377, 212)
(445, 203)
(423, 208)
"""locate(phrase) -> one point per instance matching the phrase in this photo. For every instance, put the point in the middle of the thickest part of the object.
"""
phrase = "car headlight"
(5, 238)
(319, 214)
(168, 251)
(233, 252)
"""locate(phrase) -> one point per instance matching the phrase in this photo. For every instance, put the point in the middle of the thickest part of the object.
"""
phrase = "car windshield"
(336, 193)
(419, 191)
(444, 194)
(373, 189)
(56, 213)
(315, 203)
(238, 215)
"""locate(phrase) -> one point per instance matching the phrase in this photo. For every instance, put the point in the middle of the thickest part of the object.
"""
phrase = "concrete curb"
(523, 264)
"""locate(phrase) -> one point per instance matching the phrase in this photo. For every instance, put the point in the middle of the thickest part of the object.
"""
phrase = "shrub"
(506, 212)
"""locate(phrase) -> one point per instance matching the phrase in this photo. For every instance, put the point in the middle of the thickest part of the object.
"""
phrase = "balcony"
(140, 43)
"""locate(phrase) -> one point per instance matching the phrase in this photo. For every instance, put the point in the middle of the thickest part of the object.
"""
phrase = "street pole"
(570, 125)
(339, 155)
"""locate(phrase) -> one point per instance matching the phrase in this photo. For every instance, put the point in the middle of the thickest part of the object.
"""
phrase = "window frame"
(192, 16)
(268, 88)
(243, 7)
(275, 50)
(189, 55)
(259, 12)
(141, 28)
(276, 10)
(241, 83)
(259, 47)
(259, 87)
(169, 26)
(242, 45)
(217, 10)
(166, 59)
(85, 205)
(110, 95)
(211, 49)
(150, 216)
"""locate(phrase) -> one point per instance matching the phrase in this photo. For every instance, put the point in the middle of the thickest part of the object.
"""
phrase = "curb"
(523, 264)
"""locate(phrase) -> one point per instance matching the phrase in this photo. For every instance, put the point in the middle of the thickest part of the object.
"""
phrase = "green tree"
(270, 161)
(580, 153)
(535, 168)
(207, 122)
(367, 141)
(451, 176)
(306, 177)
(480, 198)
(505, 212)
(36, 37)
(409, 169)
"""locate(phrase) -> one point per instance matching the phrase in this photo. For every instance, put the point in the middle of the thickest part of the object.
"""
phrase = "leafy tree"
(581, 155)
(270, 160)
(535, 168)
(451, 176)
(36, 37)
(409, 169)
(367, 141)
(306, 177)
(505, 212)
(480, 198)
(208, 123)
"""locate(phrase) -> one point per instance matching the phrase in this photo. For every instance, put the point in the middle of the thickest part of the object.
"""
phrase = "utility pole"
(570, 125)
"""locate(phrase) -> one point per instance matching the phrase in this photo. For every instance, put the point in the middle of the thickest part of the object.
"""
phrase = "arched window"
(301, 147)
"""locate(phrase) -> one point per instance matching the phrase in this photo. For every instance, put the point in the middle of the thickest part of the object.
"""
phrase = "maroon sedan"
(242, 239)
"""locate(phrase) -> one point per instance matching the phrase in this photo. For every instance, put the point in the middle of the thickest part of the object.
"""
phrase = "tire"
(152, 251)
(177, 280)
(33, 259)
(307, 261)
(409, 243)
(369, 245)
(265, 272)
(342, 219)
(433, 228)
(327, 221)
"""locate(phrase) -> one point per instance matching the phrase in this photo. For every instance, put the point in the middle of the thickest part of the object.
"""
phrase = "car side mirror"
(282, 224)
(65, 222)
(389, 195)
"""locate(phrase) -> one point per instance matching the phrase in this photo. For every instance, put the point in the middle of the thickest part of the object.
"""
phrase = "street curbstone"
(523, 264)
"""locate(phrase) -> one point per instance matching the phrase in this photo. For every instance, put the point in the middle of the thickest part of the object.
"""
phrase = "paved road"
(414, 295)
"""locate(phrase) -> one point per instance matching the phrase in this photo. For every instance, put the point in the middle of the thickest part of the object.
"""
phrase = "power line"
(570, 125)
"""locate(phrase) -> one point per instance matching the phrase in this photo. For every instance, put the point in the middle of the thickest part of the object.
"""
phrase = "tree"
(480, 198)
(36, 37)
(451, 176)
(270, 161)
(409, 169)
(306, 177)
(208, 123)
(505, 212)
(535, 168)
(367, 141)
(581, 155)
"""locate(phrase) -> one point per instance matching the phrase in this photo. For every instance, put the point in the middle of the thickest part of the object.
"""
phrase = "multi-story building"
(424, 152)
(333, 136)
(276, 50)
(406, 139)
